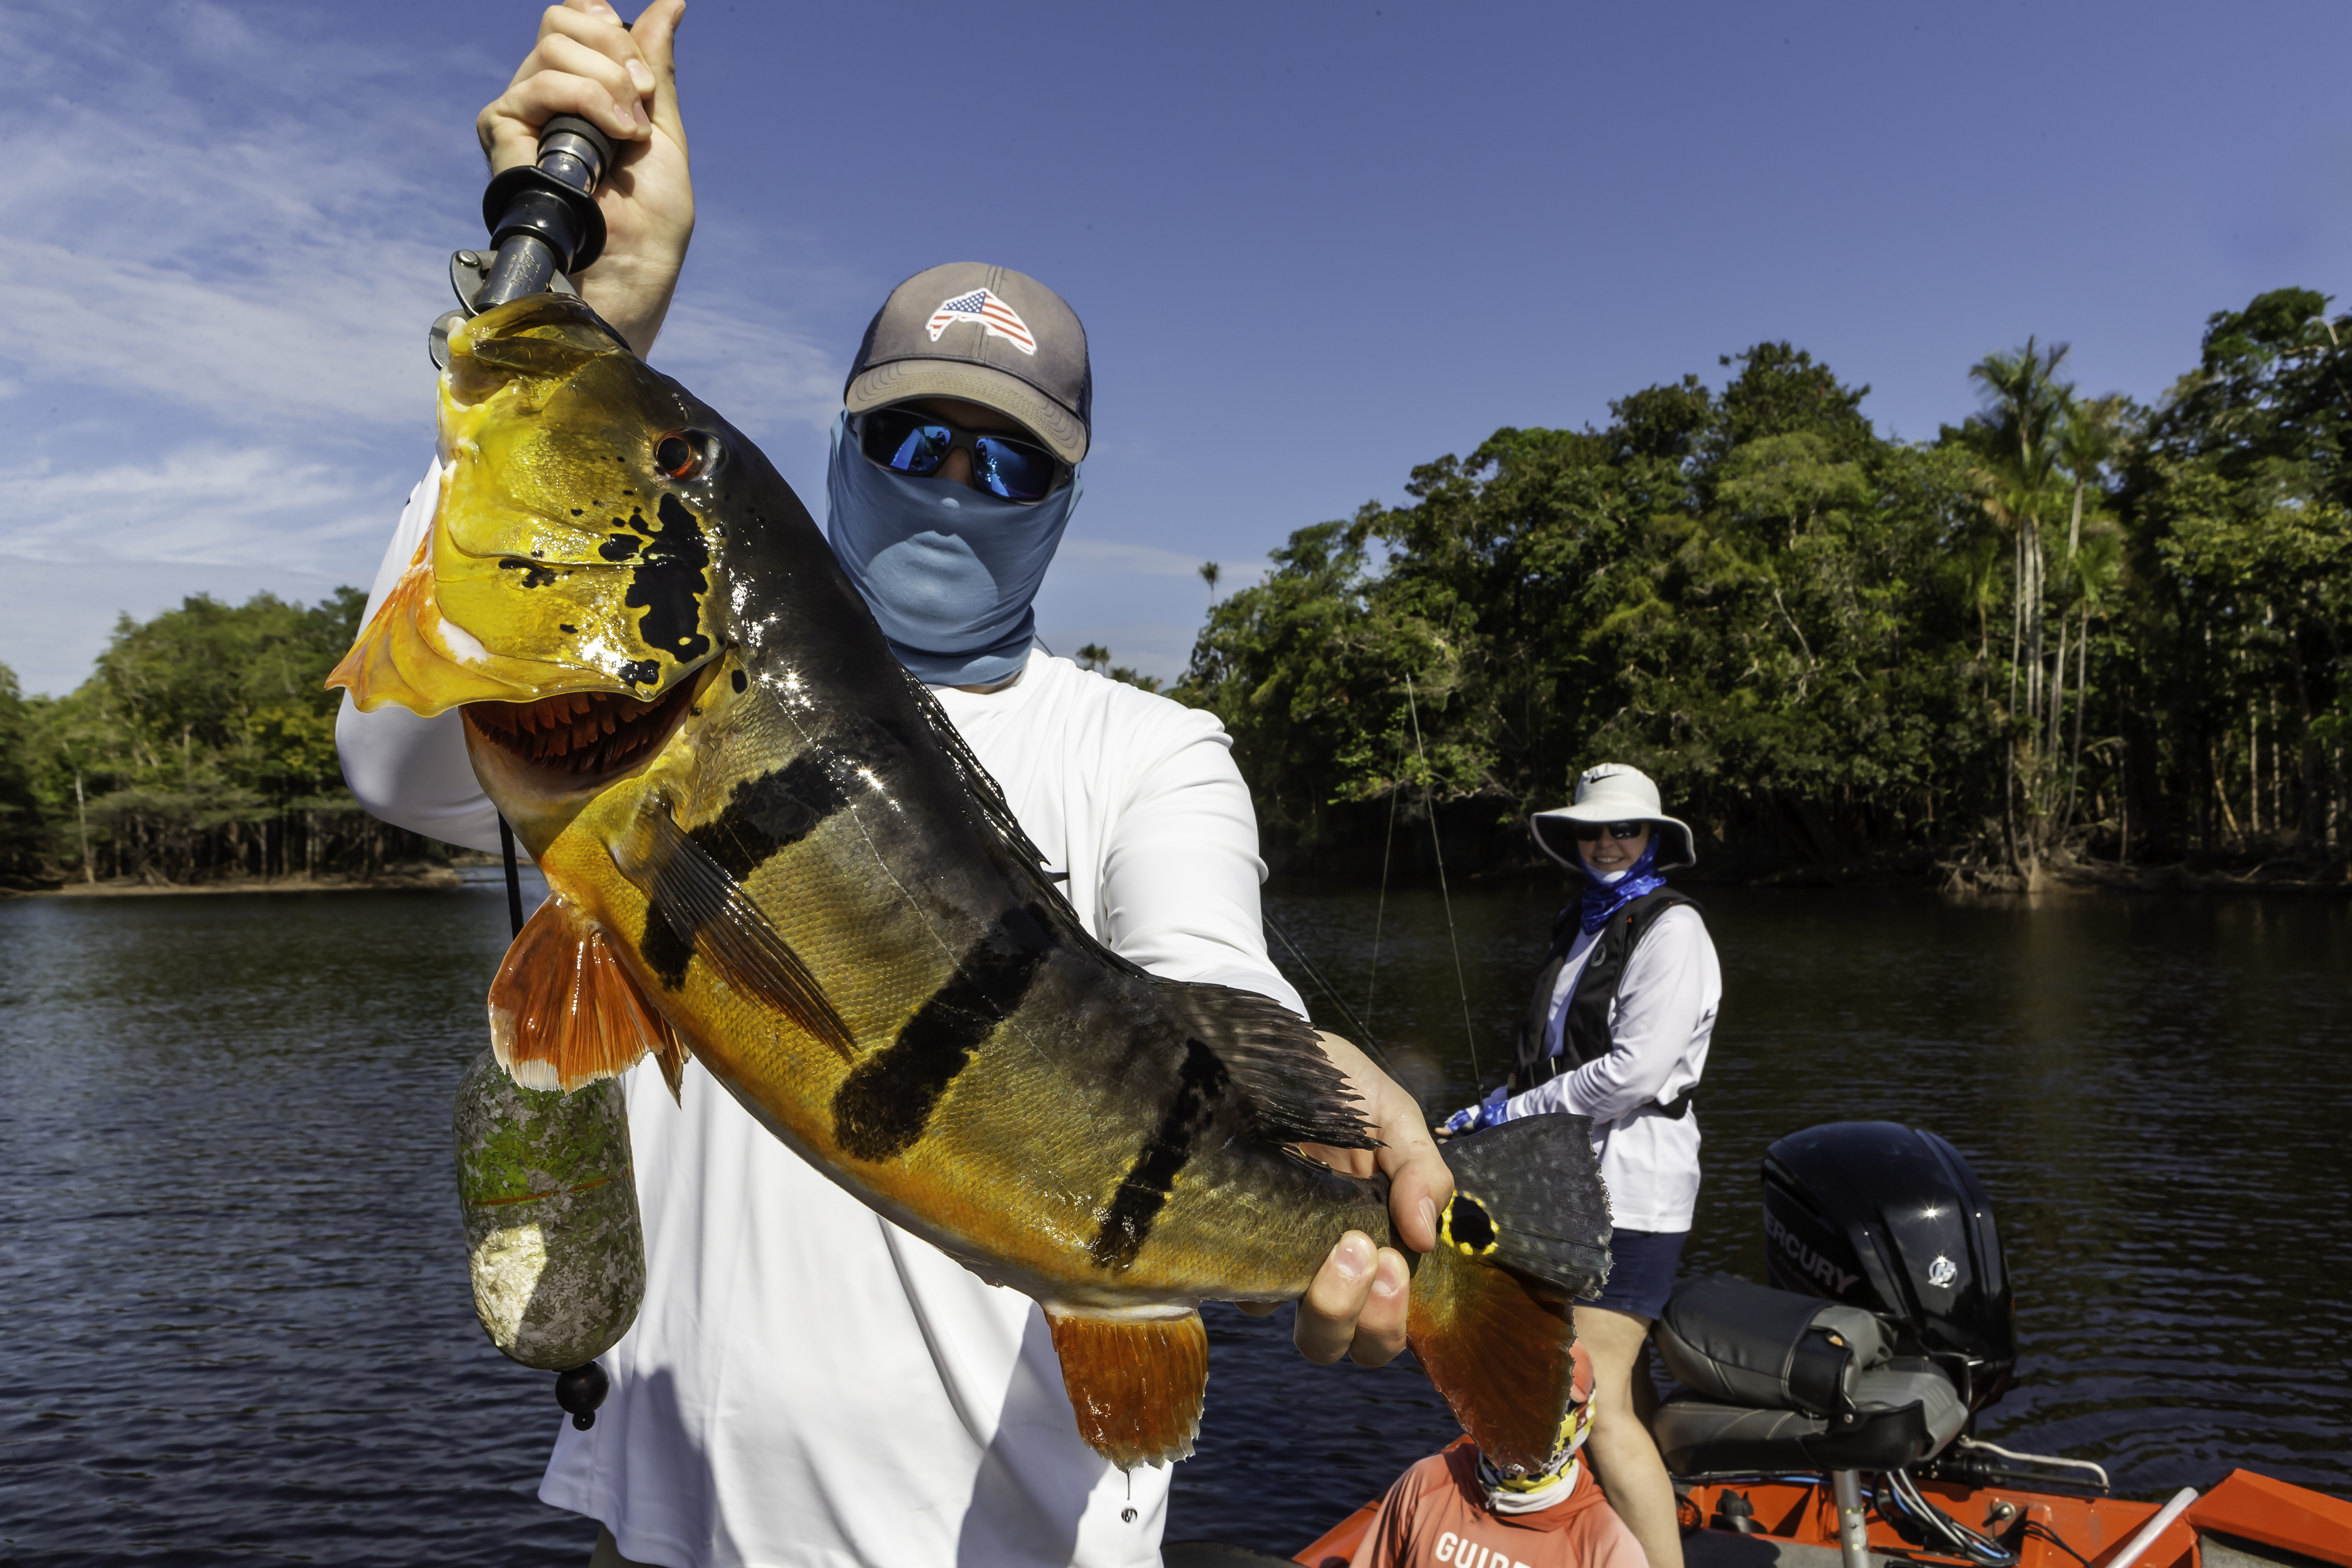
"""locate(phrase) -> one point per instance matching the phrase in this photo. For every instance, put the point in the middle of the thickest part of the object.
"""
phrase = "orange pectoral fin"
(564, 1012)
(1136, 1386)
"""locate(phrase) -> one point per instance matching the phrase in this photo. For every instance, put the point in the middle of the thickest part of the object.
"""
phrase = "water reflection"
(241, 1323)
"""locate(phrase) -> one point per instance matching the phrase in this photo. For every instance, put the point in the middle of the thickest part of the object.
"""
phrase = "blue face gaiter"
(948, 570)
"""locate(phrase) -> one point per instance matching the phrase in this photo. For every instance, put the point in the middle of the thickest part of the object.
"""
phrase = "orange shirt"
(1435, 1516)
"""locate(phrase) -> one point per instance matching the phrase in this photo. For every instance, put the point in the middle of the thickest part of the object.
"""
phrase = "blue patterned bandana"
(1603, 899)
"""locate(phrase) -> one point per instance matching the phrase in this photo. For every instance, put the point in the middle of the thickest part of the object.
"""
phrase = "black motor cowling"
(1891, 1219)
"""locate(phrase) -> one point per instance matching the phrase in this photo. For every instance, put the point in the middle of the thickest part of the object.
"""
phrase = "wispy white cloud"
(174, 229)
(220, 246)
(210, 504)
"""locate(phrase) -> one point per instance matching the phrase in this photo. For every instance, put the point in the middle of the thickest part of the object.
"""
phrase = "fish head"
(571, 593)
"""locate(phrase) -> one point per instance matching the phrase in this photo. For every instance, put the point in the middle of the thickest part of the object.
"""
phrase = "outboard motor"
(1882, 1216)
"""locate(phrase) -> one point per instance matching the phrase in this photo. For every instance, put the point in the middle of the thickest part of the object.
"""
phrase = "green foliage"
(204, 742)
(1790, 620)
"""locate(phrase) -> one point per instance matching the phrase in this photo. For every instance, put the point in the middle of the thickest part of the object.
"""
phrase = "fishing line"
(1387, 847)
(1363, 1035)
(514, 877)
(1444, 898)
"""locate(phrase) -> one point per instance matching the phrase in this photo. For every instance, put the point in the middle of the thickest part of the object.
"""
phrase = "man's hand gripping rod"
(544, 224)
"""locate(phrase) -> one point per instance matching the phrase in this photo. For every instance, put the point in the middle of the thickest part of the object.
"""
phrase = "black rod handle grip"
(558, 125)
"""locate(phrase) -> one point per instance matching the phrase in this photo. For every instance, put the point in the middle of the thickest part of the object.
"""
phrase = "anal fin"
(564, 1013)
(1135, 1385)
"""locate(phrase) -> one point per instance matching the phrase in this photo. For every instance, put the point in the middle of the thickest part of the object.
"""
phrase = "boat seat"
(1773, 1380)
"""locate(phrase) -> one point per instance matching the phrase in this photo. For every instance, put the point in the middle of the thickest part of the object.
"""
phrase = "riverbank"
(415, 876)
(2285, 872)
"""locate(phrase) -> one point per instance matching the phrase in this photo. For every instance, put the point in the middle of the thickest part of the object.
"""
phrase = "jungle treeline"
(2069, 630)
(201, 748)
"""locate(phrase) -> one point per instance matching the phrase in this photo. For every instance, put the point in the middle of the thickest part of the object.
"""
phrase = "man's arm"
(625, 81)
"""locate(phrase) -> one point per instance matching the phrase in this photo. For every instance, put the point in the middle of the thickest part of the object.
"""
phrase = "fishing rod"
(544, 225)
(1363, 1033)
(1468, 1031)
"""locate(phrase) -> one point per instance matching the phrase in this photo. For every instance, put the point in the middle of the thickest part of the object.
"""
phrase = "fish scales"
(784, 846)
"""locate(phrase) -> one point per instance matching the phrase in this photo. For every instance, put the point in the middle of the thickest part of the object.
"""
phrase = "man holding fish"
(808, 1381)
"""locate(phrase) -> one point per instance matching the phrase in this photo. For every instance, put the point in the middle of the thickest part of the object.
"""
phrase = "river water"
(240, 1324)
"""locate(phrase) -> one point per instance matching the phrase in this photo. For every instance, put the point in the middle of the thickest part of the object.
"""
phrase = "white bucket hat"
(1613, 792)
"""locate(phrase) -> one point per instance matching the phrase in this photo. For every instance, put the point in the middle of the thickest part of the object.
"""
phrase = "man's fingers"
(597, 24)
(657, 39)
(570, 57)
(1326, 1330)
(1379, 1331)
(1419, 1182)
(509, 127)
(1419, 1185)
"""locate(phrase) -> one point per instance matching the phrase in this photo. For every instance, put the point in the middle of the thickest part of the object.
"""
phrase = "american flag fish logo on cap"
(989, 313)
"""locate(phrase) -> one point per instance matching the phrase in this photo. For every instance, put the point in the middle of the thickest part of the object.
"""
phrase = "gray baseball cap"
(989, 335)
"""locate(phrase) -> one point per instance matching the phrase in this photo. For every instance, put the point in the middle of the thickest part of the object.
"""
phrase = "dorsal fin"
(976, 780)
(1294, 1093)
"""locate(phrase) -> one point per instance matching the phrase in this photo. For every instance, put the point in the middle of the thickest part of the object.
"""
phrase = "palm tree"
(1208, 570)
(1093, 657)
(2087, 440)
(2016, 433)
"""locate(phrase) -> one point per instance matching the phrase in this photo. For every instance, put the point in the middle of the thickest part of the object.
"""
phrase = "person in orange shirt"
(1456, 1510)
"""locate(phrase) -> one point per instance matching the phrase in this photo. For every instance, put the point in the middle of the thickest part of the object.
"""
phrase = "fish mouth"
(578, 738)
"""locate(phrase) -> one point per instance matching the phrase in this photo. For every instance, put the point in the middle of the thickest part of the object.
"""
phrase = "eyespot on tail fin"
(1535, 1185)
(710, 913)
(1136, 1386)
(564, 1013)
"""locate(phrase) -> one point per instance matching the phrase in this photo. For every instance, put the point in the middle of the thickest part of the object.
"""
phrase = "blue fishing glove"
(1487, 1113)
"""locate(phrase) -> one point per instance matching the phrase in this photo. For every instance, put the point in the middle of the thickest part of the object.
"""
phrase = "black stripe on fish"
(1200, 1085)
(762, 815)
(885, 1106)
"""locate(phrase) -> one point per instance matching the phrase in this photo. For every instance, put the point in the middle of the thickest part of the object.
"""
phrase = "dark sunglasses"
(1586, 833)
(906, 442)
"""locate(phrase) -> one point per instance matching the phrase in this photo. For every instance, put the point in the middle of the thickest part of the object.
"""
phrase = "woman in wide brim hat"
(1616, 1028)
(1613, 793)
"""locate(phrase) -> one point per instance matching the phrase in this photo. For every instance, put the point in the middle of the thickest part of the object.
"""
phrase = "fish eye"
(685, 455)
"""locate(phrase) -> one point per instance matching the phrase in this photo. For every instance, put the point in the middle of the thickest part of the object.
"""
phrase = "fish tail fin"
(1528, 1230)
(1136, 1384)
(564, 1013)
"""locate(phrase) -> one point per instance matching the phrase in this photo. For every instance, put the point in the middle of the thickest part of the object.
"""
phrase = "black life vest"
(1584, 1033)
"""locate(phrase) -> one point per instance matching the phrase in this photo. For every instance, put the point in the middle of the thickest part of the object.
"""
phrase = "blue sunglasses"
(907, 441)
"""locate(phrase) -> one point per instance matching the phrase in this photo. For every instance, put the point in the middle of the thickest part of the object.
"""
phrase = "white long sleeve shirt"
(1659, 1026)
(807, 1383)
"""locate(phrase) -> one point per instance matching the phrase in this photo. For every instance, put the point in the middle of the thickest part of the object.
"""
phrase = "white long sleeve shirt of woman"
(807, 1383)
(1659, 1026)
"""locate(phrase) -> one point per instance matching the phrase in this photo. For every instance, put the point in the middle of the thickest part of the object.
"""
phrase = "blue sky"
(1314, 245)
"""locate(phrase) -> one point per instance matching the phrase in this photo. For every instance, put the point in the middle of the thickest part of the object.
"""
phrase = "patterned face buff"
(1514, 1492)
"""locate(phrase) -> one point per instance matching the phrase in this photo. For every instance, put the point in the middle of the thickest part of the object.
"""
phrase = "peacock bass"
(767, 847)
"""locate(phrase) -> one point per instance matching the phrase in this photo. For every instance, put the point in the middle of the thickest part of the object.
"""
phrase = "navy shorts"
(1641, 1271)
